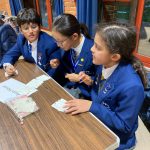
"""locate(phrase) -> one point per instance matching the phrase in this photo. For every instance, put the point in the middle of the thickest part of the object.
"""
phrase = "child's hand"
(85, 78)
(54, 63)
(77, 106)
(72, 77)
(10, 70)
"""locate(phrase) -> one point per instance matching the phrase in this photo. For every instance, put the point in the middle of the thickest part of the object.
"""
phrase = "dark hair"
(121, 39)
(1, 22)
(2, 16)
(27, 16)
(67, 25)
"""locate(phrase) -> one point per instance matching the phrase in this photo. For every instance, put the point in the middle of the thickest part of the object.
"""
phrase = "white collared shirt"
(79, 47)
(34, 49)
(107, 72)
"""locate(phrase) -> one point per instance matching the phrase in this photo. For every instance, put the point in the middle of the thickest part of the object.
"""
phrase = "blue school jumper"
(118, 102)
(83, 63)
(46, 50)
(8, 38)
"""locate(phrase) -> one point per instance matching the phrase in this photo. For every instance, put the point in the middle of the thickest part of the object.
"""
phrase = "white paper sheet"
(35, 83)
(59, 105)
(8, 89)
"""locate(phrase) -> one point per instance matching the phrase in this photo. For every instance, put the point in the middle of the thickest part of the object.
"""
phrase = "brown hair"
(121, 39)
(28, 15)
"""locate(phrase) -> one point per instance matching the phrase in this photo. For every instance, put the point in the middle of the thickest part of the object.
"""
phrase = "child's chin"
(94, 62)
(32, 39)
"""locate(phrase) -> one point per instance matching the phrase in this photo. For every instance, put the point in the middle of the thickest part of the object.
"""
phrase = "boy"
(35, 45)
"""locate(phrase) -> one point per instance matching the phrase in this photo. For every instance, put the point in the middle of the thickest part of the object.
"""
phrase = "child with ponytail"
(75, 69)
(118, 89)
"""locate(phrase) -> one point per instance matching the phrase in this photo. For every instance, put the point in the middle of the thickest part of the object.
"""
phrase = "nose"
(92, 49)
(58, 44)
(30, 29)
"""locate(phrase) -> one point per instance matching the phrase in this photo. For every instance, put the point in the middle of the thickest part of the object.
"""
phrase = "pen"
(80, 81)
(88, 72)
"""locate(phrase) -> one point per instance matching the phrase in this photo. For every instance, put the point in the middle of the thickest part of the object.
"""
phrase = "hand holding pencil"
(85, 78)
(11, 70)
(54, 63)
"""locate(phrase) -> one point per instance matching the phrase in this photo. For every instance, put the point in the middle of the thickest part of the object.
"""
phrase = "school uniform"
(117, 102)
(46, 49)
(8, 38)
(83, 62)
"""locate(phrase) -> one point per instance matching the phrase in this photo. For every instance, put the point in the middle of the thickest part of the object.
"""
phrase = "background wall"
(70, 6)
(4, 6)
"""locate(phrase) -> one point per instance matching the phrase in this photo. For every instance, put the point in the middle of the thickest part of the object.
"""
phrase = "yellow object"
(102, 77)
(82, 59)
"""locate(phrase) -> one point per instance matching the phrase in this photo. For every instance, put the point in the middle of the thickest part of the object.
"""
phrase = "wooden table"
(49, 129)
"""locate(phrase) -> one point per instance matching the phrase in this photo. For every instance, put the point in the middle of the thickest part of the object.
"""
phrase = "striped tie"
(73, 54)
(30, 48)
(101, 83)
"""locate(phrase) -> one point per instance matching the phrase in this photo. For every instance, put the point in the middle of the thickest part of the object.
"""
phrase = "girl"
(118, 92)
(75, 69)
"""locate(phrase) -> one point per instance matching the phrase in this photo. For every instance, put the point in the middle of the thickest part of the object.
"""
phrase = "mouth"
(31, 36)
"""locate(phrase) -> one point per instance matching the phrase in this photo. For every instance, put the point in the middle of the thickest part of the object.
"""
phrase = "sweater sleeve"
(124, 114)
(8, 38)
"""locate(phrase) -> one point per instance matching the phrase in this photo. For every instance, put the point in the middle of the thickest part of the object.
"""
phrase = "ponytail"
(84, 30)
(138, 66)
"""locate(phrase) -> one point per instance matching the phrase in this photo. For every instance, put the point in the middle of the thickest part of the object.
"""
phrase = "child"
(75, 69)
(117, 94)
(12, 21)
(35, 45)
(8, 38)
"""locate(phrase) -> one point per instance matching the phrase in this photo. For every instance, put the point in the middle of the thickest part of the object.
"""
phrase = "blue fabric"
(118, 103)
(8, 38)
(47, 49)
(73, 55)
(84, 64)
(147, 90)
(145, 111)
(15, 6)
(87, 11)
(30, 48)
(58, 8)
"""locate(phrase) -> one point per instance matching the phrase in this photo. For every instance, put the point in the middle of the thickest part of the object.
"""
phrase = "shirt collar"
(79, 47)
(107, 72)
(34, 44)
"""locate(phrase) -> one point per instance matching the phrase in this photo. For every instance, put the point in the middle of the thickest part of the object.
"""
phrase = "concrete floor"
(143, 137)
(144, 43)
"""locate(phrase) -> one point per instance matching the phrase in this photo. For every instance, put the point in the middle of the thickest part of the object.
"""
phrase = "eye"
(34, 26)
(25, 28)
(97, 46)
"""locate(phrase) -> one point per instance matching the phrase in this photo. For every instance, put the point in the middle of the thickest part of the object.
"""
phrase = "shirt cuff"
(5, 65)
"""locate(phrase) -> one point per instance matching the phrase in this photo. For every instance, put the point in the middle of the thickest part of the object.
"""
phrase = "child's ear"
(75, 36)
(116, 57)
(20, 30)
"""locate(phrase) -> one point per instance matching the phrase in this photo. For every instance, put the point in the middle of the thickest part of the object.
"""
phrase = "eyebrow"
(97, 45)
